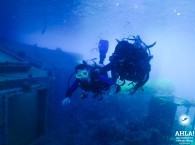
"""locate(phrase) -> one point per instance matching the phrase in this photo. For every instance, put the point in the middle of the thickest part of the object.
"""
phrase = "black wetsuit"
(96, 85)
(130, 63)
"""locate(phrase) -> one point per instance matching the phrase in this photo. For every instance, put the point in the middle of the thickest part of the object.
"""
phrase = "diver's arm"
(106, 68)
(106, 80)
(111, 83)
(110, 67)
(69, 92)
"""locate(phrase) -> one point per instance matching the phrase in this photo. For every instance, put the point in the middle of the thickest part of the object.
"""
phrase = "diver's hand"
(114, 89)
(66, 101)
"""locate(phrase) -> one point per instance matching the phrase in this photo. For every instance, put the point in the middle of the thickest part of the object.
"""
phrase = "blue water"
(74, 28)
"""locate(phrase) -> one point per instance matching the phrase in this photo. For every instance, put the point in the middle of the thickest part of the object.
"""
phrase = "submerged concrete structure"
(30, 78)
(23, 100)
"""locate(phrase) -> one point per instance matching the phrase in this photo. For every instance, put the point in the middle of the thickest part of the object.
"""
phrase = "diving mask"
(82, 74)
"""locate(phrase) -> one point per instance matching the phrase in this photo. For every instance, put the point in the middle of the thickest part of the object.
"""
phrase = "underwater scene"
(97, 72)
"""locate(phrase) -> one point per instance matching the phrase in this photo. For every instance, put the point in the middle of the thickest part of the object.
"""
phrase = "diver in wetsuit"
(89, 79)
(130, 62)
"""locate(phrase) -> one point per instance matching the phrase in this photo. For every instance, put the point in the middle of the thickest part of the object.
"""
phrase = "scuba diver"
(130, 61)
(90, 79)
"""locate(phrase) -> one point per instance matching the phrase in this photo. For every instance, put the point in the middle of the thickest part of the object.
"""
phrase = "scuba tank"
(103, 49)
